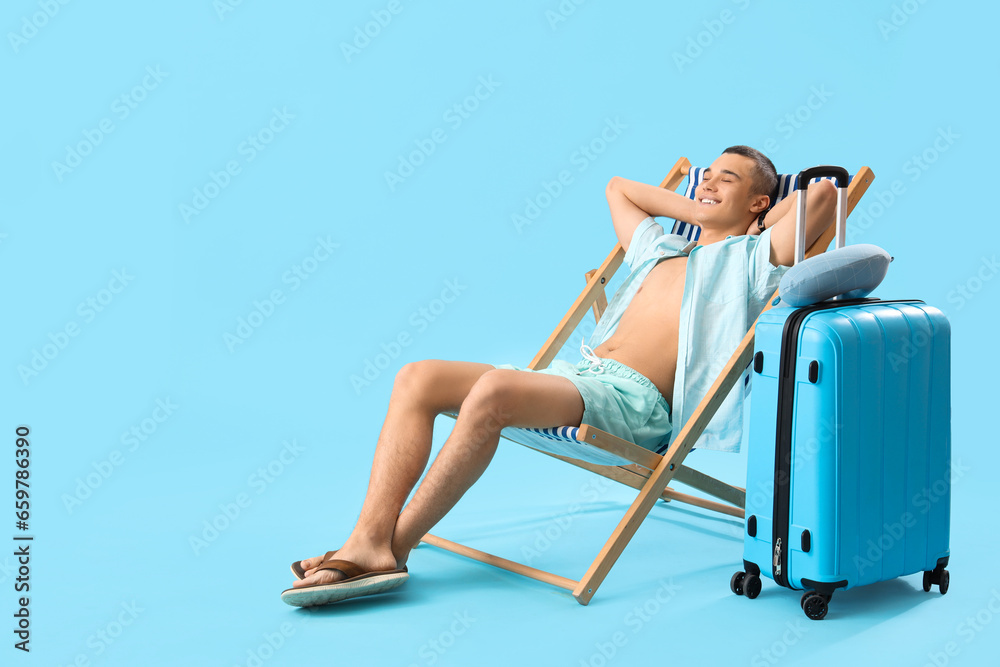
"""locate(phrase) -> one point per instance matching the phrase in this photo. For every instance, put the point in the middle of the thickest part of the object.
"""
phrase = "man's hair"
(763, 177)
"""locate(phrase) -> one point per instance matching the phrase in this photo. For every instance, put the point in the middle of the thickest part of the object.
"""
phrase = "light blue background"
(881, 94)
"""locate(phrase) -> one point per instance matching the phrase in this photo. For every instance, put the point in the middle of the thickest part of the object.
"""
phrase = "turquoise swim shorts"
(617, 399)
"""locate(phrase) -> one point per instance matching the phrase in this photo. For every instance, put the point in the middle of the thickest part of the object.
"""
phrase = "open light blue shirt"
(726, 286)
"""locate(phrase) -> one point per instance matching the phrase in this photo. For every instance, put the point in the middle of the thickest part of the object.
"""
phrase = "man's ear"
(759, 204)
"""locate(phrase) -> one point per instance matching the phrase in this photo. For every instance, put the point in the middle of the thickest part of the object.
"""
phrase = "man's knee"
(613, 188)
(490, 402)
(410, 374)
(432, 384)
(414, 380)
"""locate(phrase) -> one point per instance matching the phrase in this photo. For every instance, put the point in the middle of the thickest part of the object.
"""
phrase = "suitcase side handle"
(806, 175)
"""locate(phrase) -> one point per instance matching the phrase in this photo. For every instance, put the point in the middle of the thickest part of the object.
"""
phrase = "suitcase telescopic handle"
(806, 175)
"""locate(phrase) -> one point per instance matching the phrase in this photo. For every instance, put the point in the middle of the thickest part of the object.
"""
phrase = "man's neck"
(709, 236)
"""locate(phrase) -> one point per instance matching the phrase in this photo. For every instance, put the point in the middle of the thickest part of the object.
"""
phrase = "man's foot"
(299, 567)
(350, 580)
(369, 562)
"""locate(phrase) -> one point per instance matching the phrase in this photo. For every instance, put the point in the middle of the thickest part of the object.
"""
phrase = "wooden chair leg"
(623, 532)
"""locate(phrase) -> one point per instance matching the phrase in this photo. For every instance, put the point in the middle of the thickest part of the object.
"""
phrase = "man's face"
(723, 198)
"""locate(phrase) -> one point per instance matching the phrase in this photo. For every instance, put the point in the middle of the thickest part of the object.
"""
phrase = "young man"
(667, 333)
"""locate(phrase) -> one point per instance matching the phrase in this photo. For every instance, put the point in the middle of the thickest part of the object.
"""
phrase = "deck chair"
(624, 461)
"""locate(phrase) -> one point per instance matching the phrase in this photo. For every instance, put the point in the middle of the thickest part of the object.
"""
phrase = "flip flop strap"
(349, 569)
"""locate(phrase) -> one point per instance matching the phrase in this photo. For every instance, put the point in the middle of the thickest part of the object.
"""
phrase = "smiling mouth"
(709, 202)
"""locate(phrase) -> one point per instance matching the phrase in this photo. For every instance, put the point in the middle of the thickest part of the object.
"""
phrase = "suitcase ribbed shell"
(871, 443)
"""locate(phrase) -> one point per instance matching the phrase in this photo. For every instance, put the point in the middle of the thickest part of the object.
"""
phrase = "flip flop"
(301, 573)
(358, 582)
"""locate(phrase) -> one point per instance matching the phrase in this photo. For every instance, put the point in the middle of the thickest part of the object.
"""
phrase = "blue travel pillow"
(853, 271)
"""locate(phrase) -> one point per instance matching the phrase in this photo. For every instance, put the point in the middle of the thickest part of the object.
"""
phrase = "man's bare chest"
(665, 280)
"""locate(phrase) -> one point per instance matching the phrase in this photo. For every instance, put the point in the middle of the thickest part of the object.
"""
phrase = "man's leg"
(421, 391)
(500, 398)
(497, 399)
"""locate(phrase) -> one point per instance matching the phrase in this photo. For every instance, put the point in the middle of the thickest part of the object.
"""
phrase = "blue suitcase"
(849, 446)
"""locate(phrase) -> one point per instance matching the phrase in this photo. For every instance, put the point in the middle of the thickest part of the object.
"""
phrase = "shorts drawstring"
(596, 364)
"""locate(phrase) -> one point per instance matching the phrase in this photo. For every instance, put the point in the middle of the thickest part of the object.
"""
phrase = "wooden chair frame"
(651, 473)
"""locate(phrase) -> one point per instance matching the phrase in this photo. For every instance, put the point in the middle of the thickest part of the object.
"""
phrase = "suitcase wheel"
(938, 576)
(815, 605)
(736, 583)
(744, 583)
(802, 600)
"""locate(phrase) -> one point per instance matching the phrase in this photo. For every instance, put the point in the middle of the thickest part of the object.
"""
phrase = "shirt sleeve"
(760, 268)
(642, 242)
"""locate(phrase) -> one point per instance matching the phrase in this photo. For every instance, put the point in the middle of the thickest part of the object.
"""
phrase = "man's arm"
(631, 202)
(821, 206)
